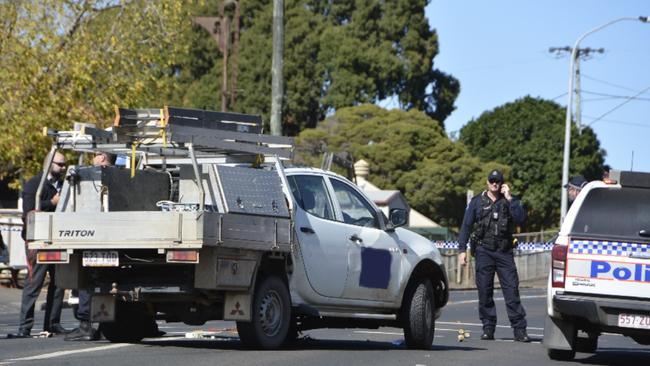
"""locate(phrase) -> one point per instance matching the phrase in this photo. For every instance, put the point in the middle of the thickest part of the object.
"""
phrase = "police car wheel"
(561, 354)
(271, 315)
(418, 316)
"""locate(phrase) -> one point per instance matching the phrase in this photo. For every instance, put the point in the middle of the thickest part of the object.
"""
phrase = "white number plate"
(634, 321)
(100, 259)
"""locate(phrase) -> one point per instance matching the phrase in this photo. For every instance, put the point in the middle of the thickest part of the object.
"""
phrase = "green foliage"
(65, 61)
(336, 54)
(406, 150)
(528, 135)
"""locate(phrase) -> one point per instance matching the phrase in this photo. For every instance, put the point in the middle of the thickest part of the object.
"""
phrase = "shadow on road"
(302, 344)
(616, 356)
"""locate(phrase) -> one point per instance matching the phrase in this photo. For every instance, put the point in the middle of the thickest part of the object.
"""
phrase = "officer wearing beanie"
(490, 218)
(574, 187)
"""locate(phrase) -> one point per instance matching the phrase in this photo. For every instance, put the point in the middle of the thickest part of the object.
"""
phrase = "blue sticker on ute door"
(375, 268)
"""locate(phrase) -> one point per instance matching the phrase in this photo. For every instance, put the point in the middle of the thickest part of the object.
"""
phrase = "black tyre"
(418, 315)
(561, 354)
(132, 323)
(587, 344)
(271, 315)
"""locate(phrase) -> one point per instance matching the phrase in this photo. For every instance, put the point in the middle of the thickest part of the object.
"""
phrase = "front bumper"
(601, 313)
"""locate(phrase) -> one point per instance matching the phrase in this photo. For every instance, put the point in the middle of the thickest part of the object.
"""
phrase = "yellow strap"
(132, 160)
(163, 131)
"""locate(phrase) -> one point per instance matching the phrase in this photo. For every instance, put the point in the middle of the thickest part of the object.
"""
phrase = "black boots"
(58, 329)
(488, 334)
(521, 335)
(85, 332)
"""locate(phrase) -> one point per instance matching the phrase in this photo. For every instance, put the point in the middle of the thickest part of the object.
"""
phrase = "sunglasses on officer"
(61, 164)
(495, 181)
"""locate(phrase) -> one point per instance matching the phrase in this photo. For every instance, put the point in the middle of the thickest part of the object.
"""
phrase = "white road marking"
(70, 352)
(495, 299)
(389, 333)
(481, 325)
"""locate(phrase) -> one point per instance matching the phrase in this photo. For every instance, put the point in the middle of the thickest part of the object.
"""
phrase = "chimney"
(361, 170)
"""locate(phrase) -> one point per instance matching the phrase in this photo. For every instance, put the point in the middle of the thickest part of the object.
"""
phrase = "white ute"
(277, 249)
(600, 273)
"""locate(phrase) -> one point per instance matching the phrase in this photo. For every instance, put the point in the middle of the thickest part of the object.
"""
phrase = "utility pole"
(277, 87)
(226, 33)
(583, 53)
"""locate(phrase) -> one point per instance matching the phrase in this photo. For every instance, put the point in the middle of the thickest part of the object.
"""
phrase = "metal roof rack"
(168, 131)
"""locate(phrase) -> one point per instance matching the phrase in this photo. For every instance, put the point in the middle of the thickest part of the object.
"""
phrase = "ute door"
(323, 254)
(374, 257)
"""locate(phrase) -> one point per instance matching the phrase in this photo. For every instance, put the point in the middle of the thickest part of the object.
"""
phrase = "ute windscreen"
(614, 214)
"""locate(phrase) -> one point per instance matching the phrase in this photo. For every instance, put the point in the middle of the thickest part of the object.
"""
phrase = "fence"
(532, 259)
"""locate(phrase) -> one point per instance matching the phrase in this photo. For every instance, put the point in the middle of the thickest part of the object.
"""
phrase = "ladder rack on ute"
(175, 136)
(173, 132)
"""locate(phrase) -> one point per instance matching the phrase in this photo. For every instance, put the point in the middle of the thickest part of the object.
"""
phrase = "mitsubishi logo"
(237, 310)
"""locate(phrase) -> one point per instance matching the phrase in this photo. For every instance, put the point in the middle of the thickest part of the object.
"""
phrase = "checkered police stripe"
(607, 247)
(527, 246)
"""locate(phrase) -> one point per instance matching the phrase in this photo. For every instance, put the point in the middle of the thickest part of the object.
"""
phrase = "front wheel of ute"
(271, 315)
(418, 315)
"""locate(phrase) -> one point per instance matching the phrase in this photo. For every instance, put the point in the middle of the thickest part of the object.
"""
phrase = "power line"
(618, 106)
(559, 96)
(614, 96)
(608, 83)
(637, 124)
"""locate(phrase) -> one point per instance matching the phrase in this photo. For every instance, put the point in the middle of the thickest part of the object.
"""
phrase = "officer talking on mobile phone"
(488, 225)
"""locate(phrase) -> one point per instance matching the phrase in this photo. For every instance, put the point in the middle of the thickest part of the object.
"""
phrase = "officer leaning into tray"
(491, 218)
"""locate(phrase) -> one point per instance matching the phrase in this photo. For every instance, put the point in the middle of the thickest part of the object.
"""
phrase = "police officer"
(85, 330)
(491, 217)
(575, 186)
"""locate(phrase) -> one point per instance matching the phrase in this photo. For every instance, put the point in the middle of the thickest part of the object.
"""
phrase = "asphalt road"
(382, 346)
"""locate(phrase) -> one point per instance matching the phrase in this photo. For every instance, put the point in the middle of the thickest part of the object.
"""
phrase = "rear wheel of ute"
(271, 315)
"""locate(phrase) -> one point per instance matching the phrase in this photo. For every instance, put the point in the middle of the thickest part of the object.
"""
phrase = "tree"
(528, 135)
(337, 54)
(65, 61)
(406, 150)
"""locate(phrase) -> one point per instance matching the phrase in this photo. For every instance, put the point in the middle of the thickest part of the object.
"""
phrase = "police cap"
(576, 182)
(495, 176)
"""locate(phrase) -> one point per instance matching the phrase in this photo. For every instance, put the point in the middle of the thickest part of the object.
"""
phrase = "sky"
(499, 51)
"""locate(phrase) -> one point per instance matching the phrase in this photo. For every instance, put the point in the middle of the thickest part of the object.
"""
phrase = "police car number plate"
(634, 321)
(100, 259)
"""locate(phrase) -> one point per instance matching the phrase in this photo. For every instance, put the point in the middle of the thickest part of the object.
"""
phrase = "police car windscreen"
(614, 214)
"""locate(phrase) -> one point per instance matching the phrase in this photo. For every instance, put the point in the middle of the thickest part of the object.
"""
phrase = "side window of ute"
(356, 210)
(310, 193)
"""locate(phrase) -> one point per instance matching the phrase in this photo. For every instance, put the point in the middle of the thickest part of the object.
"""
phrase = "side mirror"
(397, 217)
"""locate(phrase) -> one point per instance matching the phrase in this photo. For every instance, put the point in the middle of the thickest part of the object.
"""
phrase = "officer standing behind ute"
(491, 218)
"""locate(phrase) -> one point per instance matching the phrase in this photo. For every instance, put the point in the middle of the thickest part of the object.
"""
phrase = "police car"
(599, 279)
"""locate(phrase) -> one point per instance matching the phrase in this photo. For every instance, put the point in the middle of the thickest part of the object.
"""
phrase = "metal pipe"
(569, 109)
(199, 182)
(46, 170)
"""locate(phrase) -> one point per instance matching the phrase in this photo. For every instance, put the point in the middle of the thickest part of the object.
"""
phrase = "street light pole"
(569, 109)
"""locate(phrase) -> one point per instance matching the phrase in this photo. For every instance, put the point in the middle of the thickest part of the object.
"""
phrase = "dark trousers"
(31, 290)
(83, 311)
(487, 263)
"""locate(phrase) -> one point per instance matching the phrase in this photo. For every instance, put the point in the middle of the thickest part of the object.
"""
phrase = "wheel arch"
(436, 274)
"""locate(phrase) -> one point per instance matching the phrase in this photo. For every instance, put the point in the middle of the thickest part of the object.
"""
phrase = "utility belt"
(502, 245)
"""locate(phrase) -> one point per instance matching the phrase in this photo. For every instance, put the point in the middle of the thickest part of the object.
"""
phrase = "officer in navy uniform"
(491, 218)
(574, 187)
(36, 276)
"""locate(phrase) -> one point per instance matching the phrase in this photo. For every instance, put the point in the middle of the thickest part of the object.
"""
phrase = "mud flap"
(559, 334)
(102, 308)
(237, 306)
